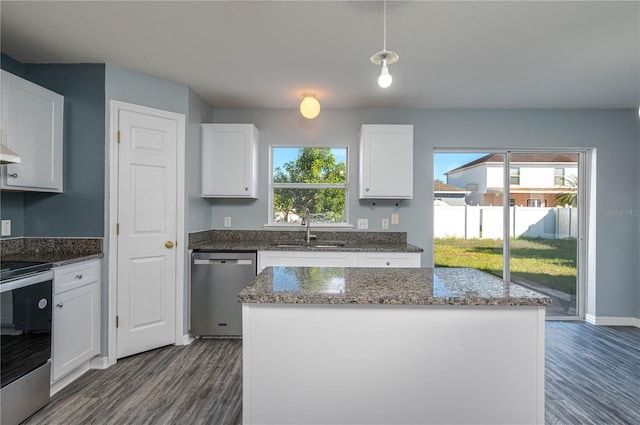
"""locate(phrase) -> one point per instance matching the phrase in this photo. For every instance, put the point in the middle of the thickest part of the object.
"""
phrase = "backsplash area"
(295, 236)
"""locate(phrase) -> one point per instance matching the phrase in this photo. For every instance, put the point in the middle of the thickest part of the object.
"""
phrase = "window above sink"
(308, 177)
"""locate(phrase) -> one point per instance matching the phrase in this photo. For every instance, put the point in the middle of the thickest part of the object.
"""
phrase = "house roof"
(439, 186)
(521, 158)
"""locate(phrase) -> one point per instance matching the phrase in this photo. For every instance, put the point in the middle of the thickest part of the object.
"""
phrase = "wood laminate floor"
(592, 377)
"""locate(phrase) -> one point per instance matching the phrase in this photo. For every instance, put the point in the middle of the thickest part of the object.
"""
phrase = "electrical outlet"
(385, 223)
(227, 222)
(6, 227)
(395, 219)
(363, 223)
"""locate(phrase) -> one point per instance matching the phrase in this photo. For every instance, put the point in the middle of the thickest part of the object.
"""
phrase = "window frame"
(514, 178)
(559, 178)
(272, 186)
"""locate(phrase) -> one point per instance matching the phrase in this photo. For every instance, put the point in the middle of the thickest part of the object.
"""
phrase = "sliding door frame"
(584, 204)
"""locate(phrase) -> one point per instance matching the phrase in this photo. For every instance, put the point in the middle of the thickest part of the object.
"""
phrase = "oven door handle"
(22, 281)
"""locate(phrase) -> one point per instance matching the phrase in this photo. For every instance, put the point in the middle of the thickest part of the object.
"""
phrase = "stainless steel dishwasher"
(216, 280)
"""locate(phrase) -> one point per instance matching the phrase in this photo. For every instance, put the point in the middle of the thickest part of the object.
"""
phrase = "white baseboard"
(100, 362)
(612, 320)
(186, 339)
(69, 378)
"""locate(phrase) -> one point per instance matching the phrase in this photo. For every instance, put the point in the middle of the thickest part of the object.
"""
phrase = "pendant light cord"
(384, 26)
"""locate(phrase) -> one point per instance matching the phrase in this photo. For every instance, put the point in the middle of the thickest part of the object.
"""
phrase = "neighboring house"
(535, 178)
(446, 194)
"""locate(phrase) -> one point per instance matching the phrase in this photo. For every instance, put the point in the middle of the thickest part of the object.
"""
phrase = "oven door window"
(25, 323)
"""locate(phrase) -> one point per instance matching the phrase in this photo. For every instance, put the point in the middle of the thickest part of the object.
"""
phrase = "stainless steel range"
(25, 328)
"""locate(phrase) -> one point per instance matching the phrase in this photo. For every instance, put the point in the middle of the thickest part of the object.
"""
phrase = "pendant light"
(384, 57)
(309, 107)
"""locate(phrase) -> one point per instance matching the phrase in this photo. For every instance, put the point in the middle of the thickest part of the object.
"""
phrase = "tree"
(316, 166)
(569, 197)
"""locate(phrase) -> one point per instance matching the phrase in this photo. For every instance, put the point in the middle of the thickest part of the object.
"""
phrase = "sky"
(444, 162)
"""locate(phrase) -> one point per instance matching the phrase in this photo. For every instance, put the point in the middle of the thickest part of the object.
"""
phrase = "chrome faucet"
(306, 221)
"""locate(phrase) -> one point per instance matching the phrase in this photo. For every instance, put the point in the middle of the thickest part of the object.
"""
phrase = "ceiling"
(266, 54)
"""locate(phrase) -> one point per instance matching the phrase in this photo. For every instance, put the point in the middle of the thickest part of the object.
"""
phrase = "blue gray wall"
(613, 133)
(198, 209)
(79, 210)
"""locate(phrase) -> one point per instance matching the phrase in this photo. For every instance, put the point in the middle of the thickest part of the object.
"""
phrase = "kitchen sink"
(313, 245)
(333, 245)
(288, 245)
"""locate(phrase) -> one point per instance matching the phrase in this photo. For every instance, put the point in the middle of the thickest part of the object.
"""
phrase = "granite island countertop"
(389, 286)
(252, 240)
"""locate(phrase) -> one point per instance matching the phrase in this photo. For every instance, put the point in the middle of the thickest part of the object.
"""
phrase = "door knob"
(168, 244)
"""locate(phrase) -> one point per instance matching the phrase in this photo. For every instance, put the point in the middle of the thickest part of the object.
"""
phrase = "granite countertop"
(58, 251)
(301, 246)
(252, 240)
(402, 286)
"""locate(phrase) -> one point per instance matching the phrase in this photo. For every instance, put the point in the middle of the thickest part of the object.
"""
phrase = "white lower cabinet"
(389, 259)
(76, 317)
(306, 259)
(337, 259)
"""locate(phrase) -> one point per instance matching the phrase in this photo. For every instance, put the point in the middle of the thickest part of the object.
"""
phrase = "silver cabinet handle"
(13, 175)
(388, 263)
(59, 305)
(79, 276)
(246, 189)
(366, 190)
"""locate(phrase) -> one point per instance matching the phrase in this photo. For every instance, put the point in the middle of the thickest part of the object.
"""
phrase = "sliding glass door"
(514, 215)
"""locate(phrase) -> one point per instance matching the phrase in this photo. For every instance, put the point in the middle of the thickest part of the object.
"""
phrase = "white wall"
(615, 132)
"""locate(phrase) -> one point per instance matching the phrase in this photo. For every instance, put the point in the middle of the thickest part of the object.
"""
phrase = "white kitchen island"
(391, 346)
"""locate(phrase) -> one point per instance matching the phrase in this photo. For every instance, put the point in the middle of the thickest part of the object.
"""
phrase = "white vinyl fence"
(485, 222)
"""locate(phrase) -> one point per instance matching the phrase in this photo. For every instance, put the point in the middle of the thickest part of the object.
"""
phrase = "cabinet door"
(306, 259)
(389, 259)
(32, 121)
(386, 162)
(229, 160)
(76, 328)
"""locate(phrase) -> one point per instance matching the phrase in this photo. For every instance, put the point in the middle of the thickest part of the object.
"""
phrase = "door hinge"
(117, 229)
(117, 321)
(118, 136)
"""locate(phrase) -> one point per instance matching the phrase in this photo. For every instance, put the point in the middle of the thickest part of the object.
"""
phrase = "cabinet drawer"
(389, 260)
(66, 278)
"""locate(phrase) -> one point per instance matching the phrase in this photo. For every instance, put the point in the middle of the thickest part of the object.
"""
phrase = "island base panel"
(341, 364)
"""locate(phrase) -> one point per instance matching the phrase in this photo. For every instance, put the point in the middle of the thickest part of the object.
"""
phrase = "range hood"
(7, 156)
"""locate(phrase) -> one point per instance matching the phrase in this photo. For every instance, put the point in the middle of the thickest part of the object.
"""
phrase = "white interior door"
(146, 278)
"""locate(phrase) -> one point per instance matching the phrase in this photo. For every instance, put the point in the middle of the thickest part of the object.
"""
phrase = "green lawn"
(549, 262)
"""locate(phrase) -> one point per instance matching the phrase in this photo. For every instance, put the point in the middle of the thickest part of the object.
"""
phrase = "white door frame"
(112, 199)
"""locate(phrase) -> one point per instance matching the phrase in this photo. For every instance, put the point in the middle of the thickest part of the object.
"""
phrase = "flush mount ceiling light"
(309, 107)
(384, 57)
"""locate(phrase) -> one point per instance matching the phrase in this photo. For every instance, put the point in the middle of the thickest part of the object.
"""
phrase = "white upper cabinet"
(229, 160)
(386, 162)
(32, 122)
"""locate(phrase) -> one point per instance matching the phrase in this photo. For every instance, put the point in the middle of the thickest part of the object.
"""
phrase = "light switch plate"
(227, 222)
(395, 218)
(6, 227)
(385, 223)
(363, 223)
